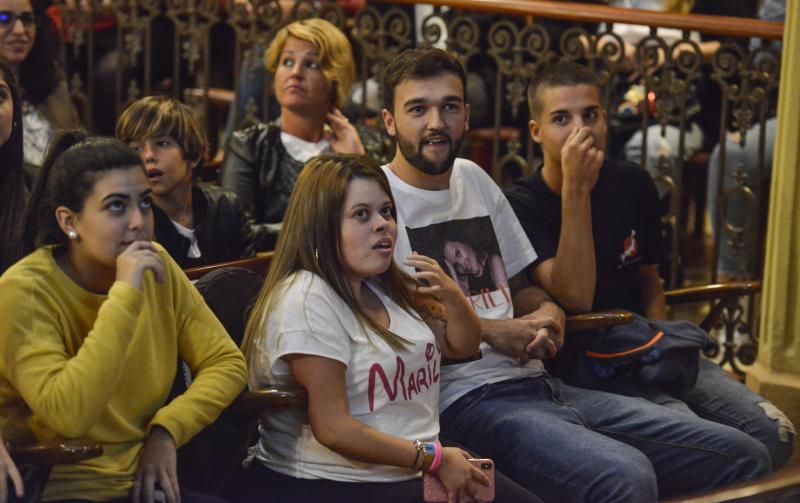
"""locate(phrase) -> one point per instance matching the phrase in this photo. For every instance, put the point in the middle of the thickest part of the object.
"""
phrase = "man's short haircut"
(156, 116)
(564, 73)
(418, 64)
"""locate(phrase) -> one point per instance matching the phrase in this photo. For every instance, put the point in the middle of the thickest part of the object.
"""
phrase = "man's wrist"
(576, 189)
(488, 329)
(551, 306)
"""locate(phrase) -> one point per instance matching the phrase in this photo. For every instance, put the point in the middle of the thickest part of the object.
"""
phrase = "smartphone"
(433, 491)
(159, 496)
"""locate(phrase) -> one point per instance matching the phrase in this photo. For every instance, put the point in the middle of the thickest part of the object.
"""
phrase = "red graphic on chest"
(630, 249)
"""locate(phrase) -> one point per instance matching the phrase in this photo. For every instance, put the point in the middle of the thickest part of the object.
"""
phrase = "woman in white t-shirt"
(338, 317)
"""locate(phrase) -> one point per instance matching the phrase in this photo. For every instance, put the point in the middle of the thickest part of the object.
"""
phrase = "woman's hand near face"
(440, 284)
(8, 470)
(157, 465)
(138, 257)
(462, 332)
(343, 136)
(459, 476)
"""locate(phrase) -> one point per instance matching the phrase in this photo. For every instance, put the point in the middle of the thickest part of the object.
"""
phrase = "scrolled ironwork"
(434, 28)
(329, 11)
(192, 20)
(746, 79)
(736, 230)
(518, 54)
(254, 21)
(381, 36)
(463, 37)
(732, 320)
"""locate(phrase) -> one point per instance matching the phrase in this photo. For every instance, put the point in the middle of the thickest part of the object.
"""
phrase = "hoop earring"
(72, 234)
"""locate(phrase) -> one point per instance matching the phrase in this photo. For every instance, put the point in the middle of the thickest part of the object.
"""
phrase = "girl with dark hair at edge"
(12, 200)
(29, 45)
(12, 176)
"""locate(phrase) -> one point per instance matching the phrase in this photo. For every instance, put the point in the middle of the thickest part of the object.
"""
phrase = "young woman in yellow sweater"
(94, 321)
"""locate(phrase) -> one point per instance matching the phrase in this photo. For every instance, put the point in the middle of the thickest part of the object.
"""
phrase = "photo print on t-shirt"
(468, 251)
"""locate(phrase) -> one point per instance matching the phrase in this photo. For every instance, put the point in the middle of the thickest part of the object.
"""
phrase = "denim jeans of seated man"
(719, 398)
(571, 444)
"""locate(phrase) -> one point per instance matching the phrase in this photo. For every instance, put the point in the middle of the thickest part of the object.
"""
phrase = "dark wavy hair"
(12, 179)
(41, 71)
(74, 163)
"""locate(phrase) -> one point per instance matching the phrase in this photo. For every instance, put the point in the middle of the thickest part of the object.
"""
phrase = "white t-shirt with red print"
(395, 392)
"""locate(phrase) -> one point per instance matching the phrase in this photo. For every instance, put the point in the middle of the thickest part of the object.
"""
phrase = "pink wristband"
(437, 458)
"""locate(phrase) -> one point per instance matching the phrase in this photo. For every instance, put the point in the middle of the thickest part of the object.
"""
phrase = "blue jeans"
(719, 398)
(570, 444)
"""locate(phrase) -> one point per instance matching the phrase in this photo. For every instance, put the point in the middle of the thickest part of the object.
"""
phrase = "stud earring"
(72, 234)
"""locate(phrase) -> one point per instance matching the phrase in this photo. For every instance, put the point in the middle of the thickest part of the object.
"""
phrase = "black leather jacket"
(221, 226)
(260, 171)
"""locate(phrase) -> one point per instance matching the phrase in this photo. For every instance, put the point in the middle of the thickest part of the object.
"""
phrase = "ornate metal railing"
(173, 45)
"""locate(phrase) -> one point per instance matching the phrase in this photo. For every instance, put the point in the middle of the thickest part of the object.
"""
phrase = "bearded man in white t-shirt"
(560, 442)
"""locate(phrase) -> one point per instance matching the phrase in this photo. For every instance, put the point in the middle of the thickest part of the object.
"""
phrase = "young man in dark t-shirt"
(596, 226)
(625, 226)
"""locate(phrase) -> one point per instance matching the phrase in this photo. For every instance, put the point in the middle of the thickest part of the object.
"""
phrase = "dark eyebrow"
(126, 197)
(420, 101)
(116, 195)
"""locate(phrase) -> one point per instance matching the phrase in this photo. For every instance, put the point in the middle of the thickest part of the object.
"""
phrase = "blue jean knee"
(719, 398)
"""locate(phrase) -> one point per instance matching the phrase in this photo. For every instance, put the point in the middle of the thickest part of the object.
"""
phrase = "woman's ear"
(67, 219)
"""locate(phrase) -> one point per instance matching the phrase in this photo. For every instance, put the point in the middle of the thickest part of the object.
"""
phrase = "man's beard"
(417, 159)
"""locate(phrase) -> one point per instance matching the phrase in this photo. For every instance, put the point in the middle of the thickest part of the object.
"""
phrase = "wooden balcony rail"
(587, 13)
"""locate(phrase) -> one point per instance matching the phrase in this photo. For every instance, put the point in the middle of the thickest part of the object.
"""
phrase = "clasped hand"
(538, 335)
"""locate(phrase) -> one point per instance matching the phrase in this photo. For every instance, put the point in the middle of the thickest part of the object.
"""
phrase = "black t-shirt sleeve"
(534, 215)
(652, 242)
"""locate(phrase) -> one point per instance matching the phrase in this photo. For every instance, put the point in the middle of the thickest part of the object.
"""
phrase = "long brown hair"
(310, 240)
(12, 179)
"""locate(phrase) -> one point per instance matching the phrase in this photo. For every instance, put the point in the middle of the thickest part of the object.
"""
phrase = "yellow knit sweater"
(77, 364)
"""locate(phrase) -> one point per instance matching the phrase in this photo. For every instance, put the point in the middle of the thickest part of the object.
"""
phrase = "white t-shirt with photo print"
(394, 392)
(472, 198)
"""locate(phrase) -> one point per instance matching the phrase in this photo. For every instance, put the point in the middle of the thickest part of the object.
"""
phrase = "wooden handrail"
(258, 264)
(587, 13)
(712, 292)
(597, 320)
(274, 397)
(55, 452)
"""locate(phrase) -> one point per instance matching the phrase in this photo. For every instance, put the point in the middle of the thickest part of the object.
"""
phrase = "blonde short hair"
(336, 54)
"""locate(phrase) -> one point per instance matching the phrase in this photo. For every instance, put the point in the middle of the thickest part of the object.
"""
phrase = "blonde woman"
(311, 62)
